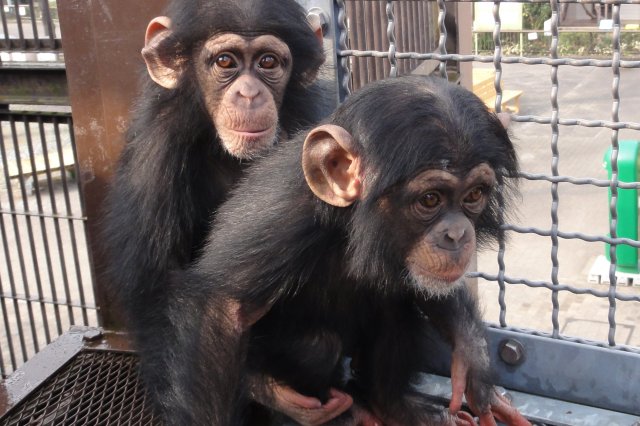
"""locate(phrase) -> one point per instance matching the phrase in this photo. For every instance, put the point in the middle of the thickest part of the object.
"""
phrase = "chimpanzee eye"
(430, 200)
(268, 62)
(474, 196)
(225, 61)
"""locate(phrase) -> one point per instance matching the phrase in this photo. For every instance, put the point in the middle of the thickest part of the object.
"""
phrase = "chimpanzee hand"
(499, 407)
(310, 411)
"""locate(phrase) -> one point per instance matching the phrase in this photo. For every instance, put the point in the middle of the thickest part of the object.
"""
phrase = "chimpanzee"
(225, 80)
(351, 242)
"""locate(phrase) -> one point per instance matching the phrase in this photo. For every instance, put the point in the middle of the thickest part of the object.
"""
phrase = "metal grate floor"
(95, 388)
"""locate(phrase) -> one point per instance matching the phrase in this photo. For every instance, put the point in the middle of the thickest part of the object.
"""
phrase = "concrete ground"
(585, 93)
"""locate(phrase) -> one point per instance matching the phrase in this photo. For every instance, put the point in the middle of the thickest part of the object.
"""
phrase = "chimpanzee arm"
(206, 356)
(457, 318)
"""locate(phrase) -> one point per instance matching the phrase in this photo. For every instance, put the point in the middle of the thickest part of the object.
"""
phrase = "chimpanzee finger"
(459, 370)
(308, 411)
(363, 417)
(287, 397)
(486, 419)
(502, 409)
(464, 419)
(485, 416)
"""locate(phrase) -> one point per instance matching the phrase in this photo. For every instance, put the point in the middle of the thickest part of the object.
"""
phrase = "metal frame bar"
(548, 410)
(29, 377)
(565, 370)
(539, 410)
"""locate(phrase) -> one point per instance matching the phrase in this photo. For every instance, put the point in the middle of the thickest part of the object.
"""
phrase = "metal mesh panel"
(549, 127)
(45, 281)
(95, 388)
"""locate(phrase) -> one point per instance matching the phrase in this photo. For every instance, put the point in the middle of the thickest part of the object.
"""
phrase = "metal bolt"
(512, 352)
(92, 335)
(318, 19)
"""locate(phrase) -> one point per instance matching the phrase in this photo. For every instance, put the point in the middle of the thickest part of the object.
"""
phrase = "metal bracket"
(559, 369)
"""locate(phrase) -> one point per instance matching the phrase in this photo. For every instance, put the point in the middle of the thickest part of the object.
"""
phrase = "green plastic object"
(627, 205)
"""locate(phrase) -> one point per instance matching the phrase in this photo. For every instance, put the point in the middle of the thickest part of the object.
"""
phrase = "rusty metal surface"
(415, 27)
(33, 84)
(102, 53)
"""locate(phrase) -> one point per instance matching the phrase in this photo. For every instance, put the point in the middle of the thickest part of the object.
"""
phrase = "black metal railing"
(45, 281)
(29, 25)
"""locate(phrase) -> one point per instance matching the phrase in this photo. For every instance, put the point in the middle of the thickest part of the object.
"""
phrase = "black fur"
(335, 278)
(173, 173)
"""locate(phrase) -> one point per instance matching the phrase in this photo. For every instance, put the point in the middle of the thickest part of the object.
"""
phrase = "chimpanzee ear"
(163, 70)
(332, 166)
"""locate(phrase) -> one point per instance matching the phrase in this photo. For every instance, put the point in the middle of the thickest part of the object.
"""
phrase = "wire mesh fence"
(557, 274)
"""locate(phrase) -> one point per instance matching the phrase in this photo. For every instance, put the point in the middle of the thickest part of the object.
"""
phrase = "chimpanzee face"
(428, 221)
(243, 80)
(440, 210)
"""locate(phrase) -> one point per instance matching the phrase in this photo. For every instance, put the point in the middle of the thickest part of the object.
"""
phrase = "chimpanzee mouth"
(447, 273)
(253, 134)
(434, 287)
(460, 247)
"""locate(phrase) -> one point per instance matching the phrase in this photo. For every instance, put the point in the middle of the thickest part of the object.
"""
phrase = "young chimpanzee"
(348, 246)
(226, 79)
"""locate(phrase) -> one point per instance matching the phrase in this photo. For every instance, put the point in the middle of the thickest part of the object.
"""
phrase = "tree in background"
(534, 15)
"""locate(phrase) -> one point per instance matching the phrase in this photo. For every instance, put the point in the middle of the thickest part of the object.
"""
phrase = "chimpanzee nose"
(453, 232)
(247, 88)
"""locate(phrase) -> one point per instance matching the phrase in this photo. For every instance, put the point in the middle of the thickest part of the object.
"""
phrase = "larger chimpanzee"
(349, 245)
(226, 79)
